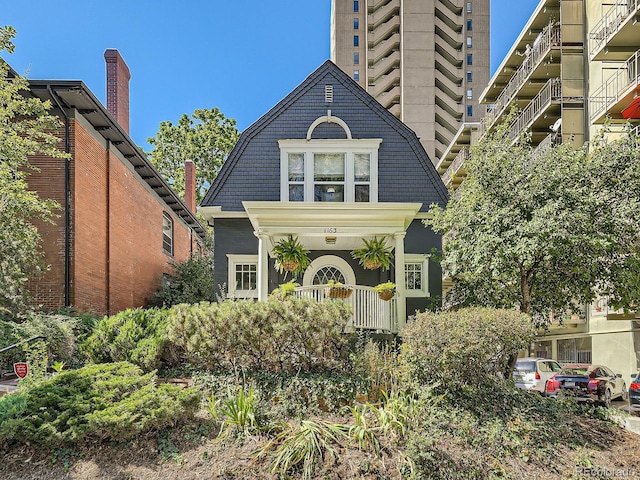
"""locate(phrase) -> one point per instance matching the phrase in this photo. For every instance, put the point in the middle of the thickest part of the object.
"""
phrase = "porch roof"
(315, 222)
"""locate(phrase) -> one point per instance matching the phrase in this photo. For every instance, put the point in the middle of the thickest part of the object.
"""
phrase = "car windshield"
(526, 366)
(574, 371)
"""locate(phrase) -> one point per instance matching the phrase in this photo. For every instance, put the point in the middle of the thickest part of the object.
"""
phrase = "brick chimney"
(118, 77)
(190, 185)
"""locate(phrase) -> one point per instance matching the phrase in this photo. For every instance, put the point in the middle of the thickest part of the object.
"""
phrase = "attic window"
(328, 93)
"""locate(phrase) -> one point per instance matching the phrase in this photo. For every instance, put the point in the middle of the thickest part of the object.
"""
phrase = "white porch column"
(263, 266)
(401, 302)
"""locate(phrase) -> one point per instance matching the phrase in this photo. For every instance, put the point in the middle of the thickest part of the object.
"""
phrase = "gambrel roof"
(252, 170)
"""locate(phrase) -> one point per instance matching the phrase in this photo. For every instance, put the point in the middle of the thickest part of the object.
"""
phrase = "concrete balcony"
(615, 94)
(451, 178)
(616, 35)
(551, 93)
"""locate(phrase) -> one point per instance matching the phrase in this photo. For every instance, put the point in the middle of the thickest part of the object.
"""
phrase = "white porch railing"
(368, 311)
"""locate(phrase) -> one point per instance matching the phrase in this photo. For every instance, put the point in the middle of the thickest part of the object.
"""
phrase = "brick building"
(120, 223)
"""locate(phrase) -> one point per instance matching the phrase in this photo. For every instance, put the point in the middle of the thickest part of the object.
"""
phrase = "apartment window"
(356, 23)
(469, 25)
(469, 7)
(469, 93)
(356, 41)
(415, 275)
(356, 75)
(356, 6)
(469, 76)
(469, 110)
(242, 276)
(329, 171)
(469, 42)
(469, 59)
(167, 234)
(356, 58)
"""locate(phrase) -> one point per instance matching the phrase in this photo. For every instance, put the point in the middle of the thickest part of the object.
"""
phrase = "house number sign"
(330, 230)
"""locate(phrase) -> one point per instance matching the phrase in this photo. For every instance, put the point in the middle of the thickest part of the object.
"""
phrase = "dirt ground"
(195, 453)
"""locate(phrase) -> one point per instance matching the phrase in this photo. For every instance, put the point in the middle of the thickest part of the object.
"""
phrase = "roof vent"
(328, 93)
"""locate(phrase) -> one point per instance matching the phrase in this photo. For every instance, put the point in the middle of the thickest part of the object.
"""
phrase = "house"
(120, 225)
(331, 166)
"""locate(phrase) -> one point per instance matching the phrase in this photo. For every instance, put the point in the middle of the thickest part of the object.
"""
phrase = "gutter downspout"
(67, 202)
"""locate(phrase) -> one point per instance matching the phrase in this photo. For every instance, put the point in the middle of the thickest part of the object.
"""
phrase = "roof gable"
(306, 98)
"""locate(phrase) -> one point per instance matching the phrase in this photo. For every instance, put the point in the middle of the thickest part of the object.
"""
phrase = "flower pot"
(372, 264)
(386, 295)
(289, 265)
(338, 292)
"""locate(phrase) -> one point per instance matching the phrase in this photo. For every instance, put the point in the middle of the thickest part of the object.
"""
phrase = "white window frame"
(422, 259)
(350, 147)
(232, 262)
(167, 221)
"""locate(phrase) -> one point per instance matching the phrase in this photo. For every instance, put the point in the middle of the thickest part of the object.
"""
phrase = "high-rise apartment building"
(426, 61)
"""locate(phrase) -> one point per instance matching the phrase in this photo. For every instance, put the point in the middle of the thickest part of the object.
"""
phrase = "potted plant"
(285, 289)
(374, 254)
(386, 290)
(290, 255)
(338, 290)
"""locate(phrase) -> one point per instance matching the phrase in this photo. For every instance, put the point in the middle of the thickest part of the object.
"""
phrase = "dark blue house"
(329, 165)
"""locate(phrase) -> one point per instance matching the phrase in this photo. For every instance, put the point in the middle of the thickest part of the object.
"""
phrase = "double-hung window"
(329, 170)
(416, 275)
(243, 276)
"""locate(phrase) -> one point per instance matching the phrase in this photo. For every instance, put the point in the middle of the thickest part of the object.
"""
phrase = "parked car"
(634, 395)
(532, 373)
(588, 383)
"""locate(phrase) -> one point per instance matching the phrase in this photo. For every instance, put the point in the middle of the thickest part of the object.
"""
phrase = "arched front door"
(326, 268)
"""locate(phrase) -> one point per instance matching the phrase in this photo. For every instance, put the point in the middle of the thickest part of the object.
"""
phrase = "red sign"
(21, 369)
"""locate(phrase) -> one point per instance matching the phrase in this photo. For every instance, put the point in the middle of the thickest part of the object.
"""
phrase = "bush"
(191, 282)
(462, 347)
(275, 335)
(136, 335)
(110, 401)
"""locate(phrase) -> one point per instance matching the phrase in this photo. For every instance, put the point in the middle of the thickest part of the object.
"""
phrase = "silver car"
(532, 373)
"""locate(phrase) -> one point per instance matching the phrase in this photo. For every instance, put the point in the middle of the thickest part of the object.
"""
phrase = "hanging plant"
(374, 254)
(338, 290)
(291, 256)
(386, 290)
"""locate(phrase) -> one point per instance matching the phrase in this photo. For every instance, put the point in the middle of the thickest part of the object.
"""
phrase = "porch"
(368, 311)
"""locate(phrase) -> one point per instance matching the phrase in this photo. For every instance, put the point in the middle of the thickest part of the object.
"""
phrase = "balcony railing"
(608, 25)
(368, 311)
(610, 92)
(550, 36)
(462, 157)
(552, 91)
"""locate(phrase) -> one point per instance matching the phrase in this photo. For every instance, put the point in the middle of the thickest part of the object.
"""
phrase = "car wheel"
(625, 392)
(606, 398)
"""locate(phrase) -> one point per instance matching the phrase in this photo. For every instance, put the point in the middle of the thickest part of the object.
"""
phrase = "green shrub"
(274, 335)
(462, 347)
(191, 282)
(135, 335)
(114, 401)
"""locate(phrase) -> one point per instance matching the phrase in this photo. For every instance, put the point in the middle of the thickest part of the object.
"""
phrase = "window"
(469, 7)
(469, 76)
(469, 25)
(356, 6)
(329, 170)
(167, 234)
(243, 276)
(415, 275)
(469, 42)
(356, 41)
(469, 93)
(469, 58)
(356, 23)
(469, 110)
(356, 58)
(356, 75)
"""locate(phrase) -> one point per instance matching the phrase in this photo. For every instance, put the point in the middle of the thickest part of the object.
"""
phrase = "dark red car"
(588, 383)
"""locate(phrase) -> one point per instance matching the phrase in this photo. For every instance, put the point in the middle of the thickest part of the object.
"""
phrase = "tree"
(206, 138)
(25, 129)
(521, 231)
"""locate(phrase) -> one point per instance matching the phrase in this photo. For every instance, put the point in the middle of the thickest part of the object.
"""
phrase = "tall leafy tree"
(25, 129)
(206, 137)
(521, 231)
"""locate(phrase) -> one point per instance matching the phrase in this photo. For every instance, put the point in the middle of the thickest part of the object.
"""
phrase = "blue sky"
(241, 56)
